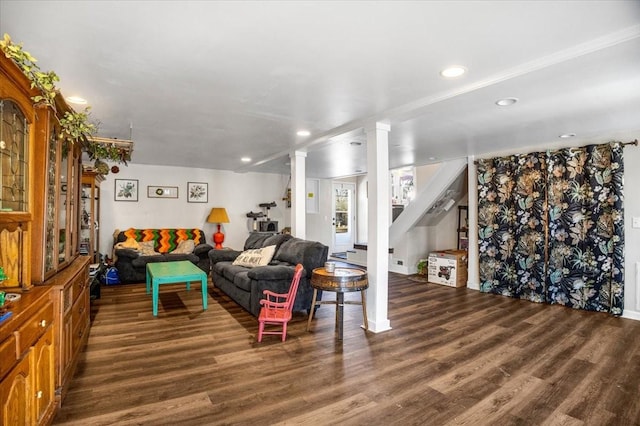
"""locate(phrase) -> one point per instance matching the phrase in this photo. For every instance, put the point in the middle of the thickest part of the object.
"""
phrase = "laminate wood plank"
(453, 356)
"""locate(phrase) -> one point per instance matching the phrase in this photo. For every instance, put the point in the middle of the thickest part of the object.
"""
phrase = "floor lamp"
(218, 215)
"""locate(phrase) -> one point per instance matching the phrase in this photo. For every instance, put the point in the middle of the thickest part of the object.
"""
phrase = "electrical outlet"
(635, 222)
(399, 262)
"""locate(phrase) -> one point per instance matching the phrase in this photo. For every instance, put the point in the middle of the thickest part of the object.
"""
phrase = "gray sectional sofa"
(245, 285)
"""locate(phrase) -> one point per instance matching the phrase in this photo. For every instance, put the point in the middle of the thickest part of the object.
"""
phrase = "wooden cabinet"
(70, 292)
(90, 215)
(56, 210)
(27, 389)
(40, 183)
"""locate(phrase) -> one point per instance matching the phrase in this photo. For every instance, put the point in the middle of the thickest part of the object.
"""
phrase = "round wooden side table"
(340, 281)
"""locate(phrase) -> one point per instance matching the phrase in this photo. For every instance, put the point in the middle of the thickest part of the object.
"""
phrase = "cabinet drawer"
(80, 283)
(35, 327)
(8, 355)
(80, 320)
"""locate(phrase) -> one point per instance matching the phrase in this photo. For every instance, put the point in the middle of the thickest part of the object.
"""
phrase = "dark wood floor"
(454, 356)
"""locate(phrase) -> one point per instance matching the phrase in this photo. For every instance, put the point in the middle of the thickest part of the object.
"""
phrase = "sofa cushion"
(242, 280)
(255, 240)
(228, 269)
(277, 240)
(184, 247)
(255, 257)
(171, 257)
(272, 273)
(311, 254)
(146, 248)
(141, 261)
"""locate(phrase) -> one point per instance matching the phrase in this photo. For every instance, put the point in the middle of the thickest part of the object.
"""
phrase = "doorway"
(344, 217)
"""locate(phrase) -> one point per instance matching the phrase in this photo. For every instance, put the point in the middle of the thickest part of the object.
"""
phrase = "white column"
(473, 271)
(298, 189)
(378, 227)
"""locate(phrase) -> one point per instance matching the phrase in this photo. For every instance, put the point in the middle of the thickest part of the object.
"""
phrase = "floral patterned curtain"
(551, 227)
(586, 228)
(511, 226)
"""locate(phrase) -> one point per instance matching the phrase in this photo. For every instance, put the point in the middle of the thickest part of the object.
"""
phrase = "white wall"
(239, 193)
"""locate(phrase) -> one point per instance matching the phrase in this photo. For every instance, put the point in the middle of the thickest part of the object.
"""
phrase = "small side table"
(341, 280)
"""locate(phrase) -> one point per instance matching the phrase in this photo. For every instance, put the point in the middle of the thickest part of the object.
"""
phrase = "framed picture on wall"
(197, 192)
(162, 191)
(125, 190)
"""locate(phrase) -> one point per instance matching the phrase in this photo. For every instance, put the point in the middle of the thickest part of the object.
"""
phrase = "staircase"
(445, 188)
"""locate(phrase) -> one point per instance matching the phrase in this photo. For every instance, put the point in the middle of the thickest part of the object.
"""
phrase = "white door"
(344, 217)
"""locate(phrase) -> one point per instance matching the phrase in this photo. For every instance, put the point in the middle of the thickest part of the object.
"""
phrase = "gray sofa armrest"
(129, 253)
(271, 273)
(202, 250)
(223, 255)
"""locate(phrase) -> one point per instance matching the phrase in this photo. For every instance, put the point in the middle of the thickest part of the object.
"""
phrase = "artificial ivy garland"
(76, 126)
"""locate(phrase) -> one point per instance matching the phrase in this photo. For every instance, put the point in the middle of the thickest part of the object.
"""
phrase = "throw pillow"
(255, 257)
(130, 243)
(184, 247)
(146, 248)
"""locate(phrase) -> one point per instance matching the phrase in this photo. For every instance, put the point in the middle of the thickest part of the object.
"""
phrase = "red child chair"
(276, 308)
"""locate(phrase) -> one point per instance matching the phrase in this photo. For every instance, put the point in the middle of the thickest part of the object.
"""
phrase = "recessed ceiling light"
(506, 102)
(567, 135)
(303, 133)
(245, 159)
(76, 100)
(432, 158)
(454, 71)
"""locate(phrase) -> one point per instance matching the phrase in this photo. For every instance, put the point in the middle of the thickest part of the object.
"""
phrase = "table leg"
(204, 293)
(148, 281)
(339, 312)
(313, 307)
(363, 295)
(156, 290)
(188, 285)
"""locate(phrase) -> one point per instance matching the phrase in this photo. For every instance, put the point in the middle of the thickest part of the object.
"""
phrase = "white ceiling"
(204, 83)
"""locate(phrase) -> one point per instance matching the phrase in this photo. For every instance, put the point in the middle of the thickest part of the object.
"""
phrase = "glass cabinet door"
(14, 156)
(90, 215)
(85, 218)
(15, 216)
(51, 242)
(63, 200)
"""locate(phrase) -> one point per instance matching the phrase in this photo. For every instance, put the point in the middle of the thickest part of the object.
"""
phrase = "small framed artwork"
(162, 191)
(126, 190)
(197, 192)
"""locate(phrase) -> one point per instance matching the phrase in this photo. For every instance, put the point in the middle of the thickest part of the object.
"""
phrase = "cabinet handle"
(39, 394)
(43, 323)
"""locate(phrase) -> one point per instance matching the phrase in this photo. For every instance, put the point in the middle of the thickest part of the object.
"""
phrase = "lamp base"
(218, 238)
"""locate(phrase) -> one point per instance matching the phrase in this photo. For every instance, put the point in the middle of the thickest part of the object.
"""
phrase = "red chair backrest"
(293, 290)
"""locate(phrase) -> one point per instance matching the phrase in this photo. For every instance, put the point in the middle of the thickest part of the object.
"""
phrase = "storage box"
(448, 267)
